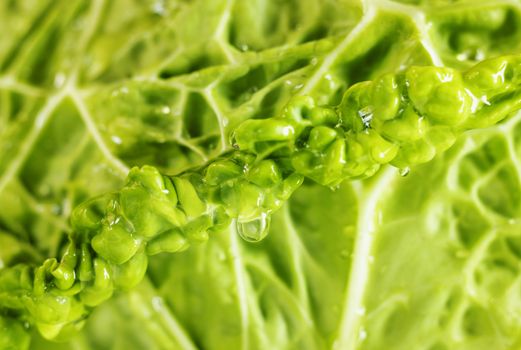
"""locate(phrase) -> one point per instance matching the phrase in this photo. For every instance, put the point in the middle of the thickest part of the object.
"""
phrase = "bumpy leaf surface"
(427, 261)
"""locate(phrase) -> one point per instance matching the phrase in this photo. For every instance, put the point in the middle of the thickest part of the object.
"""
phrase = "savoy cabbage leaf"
(426, 261)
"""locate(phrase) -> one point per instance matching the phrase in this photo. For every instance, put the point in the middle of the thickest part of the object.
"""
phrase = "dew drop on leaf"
(157, 303)
(164, 110)
(404, 171)
(158, 8)
(254, 230)
(59, 80)
(334, 187)
(233, 141)
(362, 334)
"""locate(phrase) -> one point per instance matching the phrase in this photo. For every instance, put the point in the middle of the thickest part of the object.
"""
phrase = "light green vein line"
(39, 123)
(93, 130)
(350, 326)
(330, 59)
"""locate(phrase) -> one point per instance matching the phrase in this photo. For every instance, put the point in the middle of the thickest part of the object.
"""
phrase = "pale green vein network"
(91, 127)
(222, 29)
(354, 308)
(241, 285)
(418, 18)
(350, 331)
(10, 83)
(366, 20)
(40, 121)
(148, 305)
(221, 118)
(50, 105)
(296, 251)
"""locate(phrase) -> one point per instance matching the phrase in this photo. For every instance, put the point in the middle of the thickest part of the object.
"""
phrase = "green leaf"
(427, 261)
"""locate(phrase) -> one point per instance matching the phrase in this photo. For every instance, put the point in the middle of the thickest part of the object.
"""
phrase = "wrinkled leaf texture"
(427, 261)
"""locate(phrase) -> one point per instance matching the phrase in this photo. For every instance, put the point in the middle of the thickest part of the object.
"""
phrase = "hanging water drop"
(334, 187)
(233, 141)
(404, 171)
(254, 230)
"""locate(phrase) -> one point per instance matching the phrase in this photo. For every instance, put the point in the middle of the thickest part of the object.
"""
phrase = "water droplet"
(462, 56)
(344, 254)
(233, 140)
(362, 335)
(480, 55)
(158, 8)
(165, 110)
(157, 303)
(314, 61)
(244, 47)
(59, 80)
(366, 115)
(254, 230)
(121, 91)
(116, 139)
(404, 171)
(334, 187)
